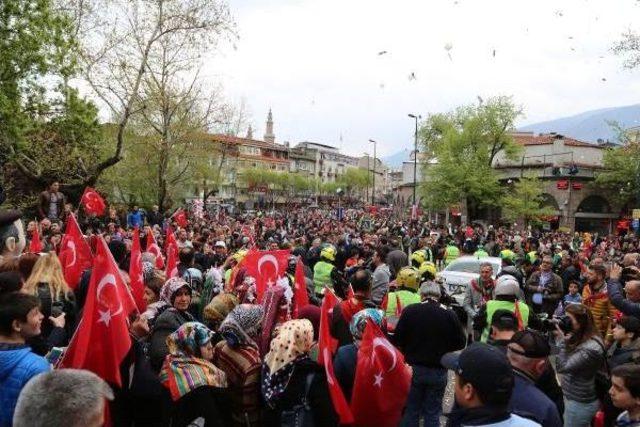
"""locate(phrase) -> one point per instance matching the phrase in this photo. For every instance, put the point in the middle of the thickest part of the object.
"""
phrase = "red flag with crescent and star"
(152, 247)
(382, 381)
(75, 253)
(266, 267)
(92, 202)
(300, 294)
(136, 276)
(171, 248)
(180, 217)
(327, 346)
(102, 340)
(35, 245)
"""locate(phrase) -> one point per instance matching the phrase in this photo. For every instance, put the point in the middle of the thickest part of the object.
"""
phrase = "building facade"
(329, 163)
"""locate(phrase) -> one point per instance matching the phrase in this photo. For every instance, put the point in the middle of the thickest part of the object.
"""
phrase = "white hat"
(507, 287)
(220, 244)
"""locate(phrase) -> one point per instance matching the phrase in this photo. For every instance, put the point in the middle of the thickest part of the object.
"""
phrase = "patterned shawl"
(219, 307)
(242, 325)
(182, 371)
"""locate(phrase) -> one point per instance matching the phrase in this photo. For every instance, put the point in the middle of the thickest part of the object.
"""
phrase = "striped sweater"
(242, 366)
(601, 308)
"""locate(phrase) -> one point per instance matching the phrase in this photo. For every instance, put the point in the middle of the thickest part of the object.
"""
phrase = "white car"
(458, 274)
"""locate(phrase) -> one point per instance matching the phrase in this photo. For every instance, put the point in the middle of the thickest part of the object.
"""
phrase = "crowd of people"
(551, 339)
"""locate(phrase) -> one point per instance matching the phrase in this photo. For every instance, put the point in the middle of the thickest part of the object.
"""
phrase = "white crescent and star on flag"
(106, 315)
(385, 344)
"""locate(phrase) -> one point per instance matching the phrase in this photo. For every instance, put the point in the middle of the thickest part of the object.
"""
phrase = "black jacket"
(166, 324)
(319, 398)
(426, 331)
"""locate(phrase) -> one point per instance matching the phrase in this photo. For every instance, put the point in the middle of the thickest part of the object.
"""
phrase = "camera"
(563, 322)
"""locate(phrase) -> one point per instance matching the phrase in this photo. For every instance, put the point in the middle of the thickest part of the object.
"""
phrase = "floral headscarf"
(292, 343)
(170, 287)
(242, 325)
(219, 307)
(182, 371)
(359, 321)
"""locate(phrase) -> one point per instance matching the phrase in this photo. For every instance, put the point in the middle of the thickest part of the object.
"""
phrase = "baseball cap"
(220, 244)
(485, 367)
(534, 344)
(504, 320)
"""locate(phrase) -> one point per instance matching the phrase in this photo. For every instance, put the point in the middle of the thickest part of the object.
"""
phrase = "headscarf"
(359, 322)
(291, 344)
(183, 371)
(219, 307)
(242, 325)
(170, 287)
(273, 298)
(294, 339)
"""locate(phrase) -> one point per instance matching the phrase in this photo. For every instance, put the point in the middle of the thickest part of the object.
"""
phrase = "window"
(464, 267)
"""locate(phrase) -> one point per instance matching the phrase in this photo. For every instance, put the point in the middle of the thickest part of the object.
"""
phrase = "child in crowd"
(625, 394)
(573, 297)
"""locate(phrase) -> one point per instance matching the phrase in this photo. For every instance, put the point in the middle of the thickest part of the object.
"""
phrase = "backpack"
(300, 415)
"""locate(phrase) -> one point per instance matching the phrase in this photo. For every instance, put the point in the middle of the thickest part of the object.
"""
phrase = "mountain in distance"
(394, 161)
(590, 125)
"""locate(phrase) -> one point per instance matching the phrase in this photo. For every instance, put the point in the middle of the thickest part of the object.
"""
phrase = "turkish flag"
(180, 216)
(382, 381)
(327, 346)
(75, 253)
(135, 272)
(152, 247)
(92, 202)
(267, 267)
(35, 245)
(171, 248)
(102, 339)
(300, 295)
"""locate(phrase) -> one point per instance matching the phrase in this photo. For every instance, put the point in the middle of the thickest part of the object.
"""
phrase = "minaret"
(250, 132)
(269, 136)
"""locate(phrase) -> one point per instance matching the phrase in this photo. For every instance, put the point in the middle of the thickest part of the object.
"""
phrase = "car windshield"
(465, 267)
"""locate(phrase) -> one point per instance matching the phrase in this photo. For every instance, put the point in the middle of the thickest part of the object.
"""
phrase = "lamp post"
(415, 164)
(373, 192)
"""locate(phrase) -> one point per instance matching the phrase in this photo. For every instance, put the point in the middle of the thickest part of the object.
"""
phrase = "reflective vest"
(494, 305)
(532, 256)
(450, 253)
(481, 253)
(322, 276)
(406, 298)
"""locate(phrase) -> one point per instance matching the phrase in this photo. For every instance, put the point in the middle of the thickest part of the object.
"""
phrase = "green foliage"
(460, 148)
(525, 201)
(621, 174)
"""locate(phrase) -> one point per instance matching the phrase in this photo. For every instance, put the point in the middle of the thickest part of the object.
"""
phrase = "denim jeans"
(425, 397)
(579, 414)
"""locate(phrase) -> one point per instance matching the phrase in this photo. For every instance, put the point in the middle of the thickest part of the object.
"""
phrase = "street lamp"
(415, 162)
(373, 193)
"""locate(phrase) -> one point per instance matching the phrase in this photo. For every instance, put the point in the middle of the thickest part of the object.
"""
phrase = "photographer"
(581, 355)
(629, 306)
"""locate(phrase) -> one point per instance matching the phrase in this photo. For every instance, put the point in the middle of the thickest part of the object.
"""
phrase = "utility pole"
(373, 193)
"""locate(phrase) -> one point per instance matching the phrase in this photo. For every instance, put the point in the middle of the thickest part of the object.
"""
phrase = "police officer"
(325, 274)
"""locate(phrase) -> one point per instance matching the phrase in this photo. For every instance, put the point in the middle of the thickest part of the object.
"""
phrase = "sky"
(317, 63)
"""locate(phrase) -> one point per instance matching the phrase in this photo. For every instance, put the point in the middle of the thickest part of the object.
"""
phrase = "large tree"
(459, 150)
(47, 131)
(525, 201)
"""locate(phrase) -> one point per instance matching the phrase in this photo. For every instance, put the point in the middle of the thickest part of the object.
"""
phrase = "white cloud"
(315, 62)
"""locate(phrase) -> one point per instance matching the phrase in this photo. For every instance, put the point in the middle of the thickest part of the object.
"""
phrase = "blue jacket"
(135, 219)
(528, 400)
(18, 364)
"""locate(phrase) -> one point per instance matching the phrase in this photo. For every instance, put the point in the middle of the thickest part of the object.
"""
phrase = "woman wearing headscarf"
(177, 294)
(238, 356)
(312, 314)
(346, 358)
(290, 378)
(197, 387)
(218, 309)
